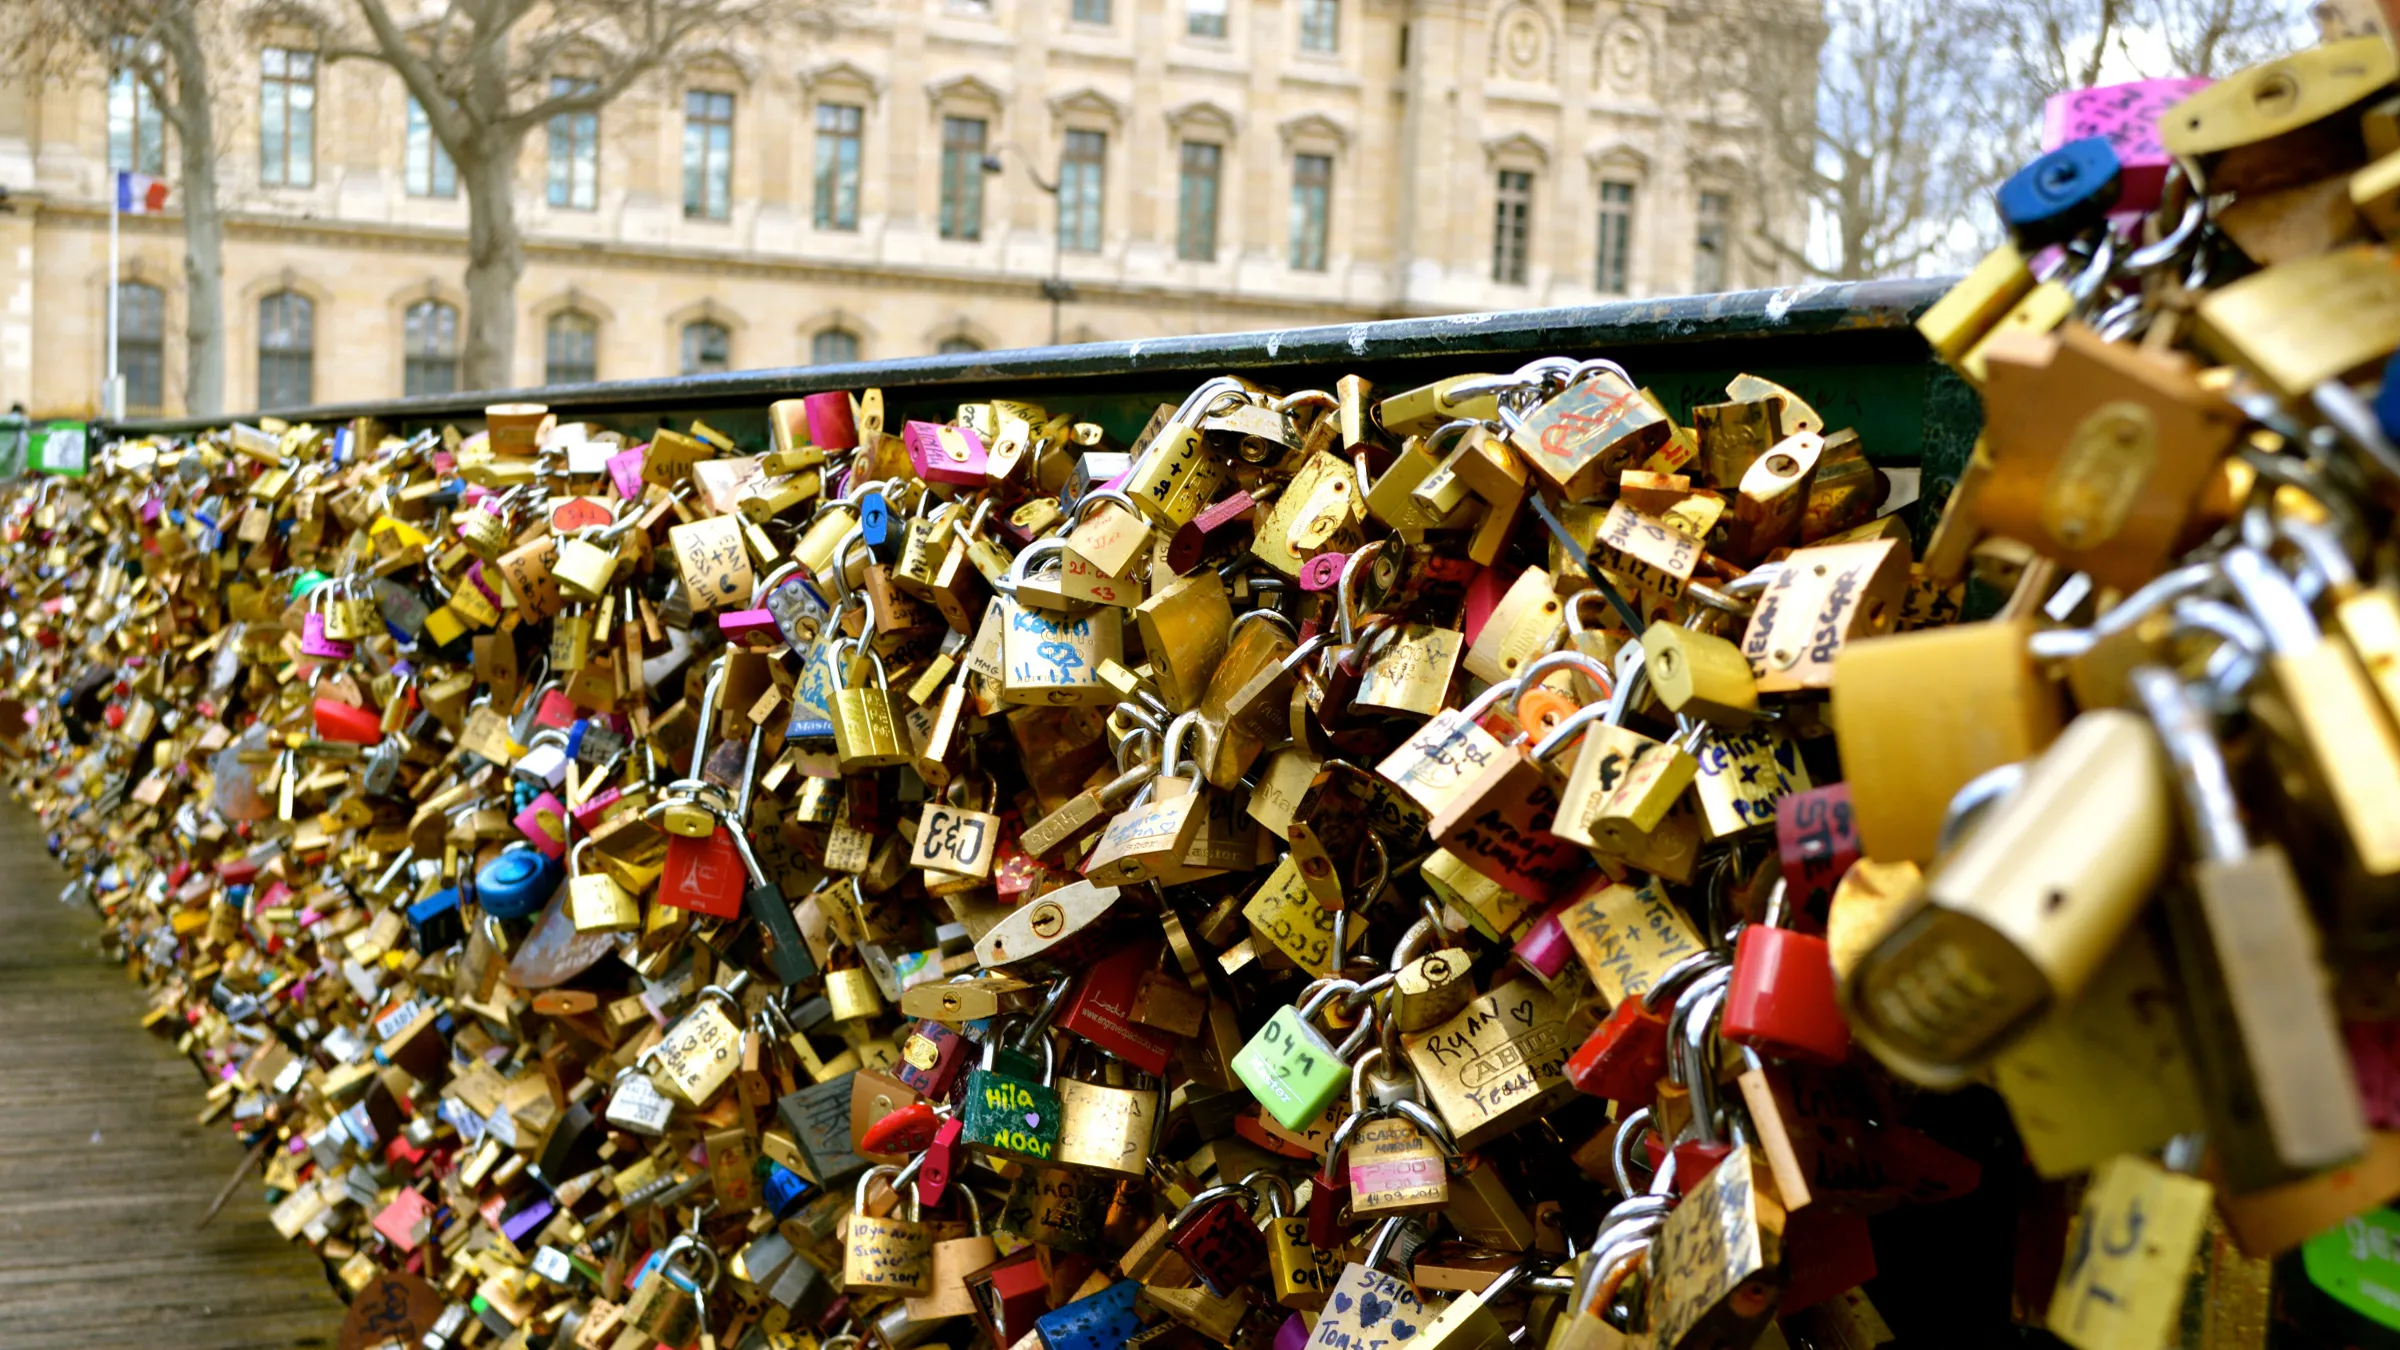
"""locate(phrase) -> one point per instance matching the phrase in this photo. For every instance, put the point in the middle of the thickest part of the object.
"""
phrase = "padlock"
(1009, 1112)
(1107, 1128)
(2021, 913)
(2283, 1100)
(700, 1052)
(948, 1263)
(1781, 1000)
(595, 902)
(1216, 1234)
(886, 1254)
(1396, 1153)
(1291, 1067)
(867, 719)
(668, 1305)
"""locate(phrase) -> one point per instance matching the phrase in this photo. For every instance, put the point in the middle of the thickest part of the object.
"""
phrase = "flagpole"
(109, 399)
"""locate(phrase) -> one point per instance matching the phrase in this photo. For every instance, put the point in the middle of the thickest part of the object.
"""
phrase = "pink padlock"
(543, 822)
(595, 809)
(556, 710)
(625, 470)
(2127, 114)
(1545, 949)
(830, 425)
(945, 454)
(750, 628)
(313, 641)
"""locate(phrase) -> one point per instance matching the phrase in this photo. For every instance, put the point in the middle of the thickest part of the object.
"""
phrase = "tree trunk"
(495, 259)
(203, 223)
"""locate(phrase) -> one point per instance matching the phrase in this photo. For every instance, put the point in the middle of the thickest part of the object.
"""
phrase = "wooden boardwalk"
(103, 1170)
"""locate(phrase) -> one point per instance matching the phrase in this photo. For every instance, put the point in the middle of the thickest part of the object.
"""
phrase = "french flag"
(138, 194)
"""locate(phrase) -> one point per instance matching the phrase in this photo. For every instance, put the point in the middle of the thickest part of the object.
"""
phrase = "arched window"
(953, 346)
(287, 350)
(430, 340)
(833, 347)
(142, 344)
(571, 348)
(707, 348)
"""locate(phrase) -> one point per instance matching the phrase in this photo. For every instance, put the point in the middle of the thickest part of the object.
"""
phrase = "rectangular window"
(1204, 18)
(1082, 178)
(1616, 238)
(962, 177)
(1708, 243)
(1312, 201)
(1196, 202)
(137, 135)
(430, 172)
(573, 165)
(142, 344)
(1513, 204)
(1320, 25)
(287, 118)
(707, 155)
(837, 165)
(1091, 11)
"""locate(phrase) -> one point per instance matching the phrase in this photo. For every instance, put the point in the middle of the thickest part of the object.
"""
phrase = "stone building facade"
(1219, 164)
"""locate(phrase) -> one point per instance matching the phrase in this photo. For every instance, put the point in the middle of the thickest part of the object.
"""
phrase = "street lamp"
(1056, 288)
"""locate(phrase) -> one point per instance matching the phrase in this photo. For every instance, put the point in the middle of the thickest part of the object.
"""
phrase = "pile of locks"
(1352, 867)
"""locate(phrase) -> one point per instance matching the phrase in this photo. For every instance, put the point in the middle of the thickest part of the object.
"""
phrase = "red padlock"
(1100, 1010)
(1328, 1204)
(1816, 836)
(910, 1129)
(705, 876)
(1626, 1055)
(1782, 1001)
(942, 1159)
(1831, 1251)
(339, 721)
(1216, 1234)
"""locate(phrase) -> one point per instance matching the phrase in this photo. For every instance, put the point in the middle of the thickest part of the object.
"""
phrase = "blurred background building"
(912, 184)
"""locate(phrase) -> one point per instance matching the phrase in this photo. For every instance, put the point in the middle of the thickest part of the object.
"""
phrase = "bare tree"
(481, 71)
(2046, 47)
(1890, 121)
(167, 45)
(1857, 114)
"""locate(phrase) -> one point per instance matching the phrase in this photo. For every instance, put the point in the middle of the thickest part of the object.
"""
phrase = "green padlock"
(1291, 1067)
(1010, 1112)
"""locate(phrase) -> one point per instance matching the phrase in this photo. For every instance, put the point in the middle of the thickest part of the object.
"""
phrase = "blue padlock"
(2061, 194)
(435, 922)
(1104, 1321)
(2387, 400)
(787, 1190)
(517, 883)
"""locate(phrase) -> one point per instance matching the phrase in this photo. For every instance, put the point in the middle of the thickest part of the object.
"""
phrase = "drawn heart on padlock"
(1402, 1331)
(1341, 1302)
(1033, 1120)
(1372, 1309)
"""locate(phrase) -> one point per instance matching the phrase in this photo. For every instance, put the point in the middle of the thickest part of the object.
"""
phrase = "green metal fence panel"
(1850, 348)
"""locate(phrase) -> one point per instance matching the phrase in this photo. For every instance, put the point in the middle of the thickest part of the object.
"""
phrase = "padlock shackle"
(1483, 703)
(2271, 598)
(2059, 644)
(1278, 1191)
(2212, 813)
(1569, 730)
(1178, 732)
(1974, 799)
(1206, 1200)
(1669, 986)
(1566, 658)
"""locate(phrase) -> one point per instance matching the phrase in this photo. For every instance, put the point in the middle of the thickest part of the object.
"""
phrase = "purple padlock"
(2127, 114)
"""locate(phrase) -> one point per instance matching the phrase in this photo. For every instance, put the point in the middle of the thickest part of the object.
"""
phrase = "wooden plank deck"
(103, 1172)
